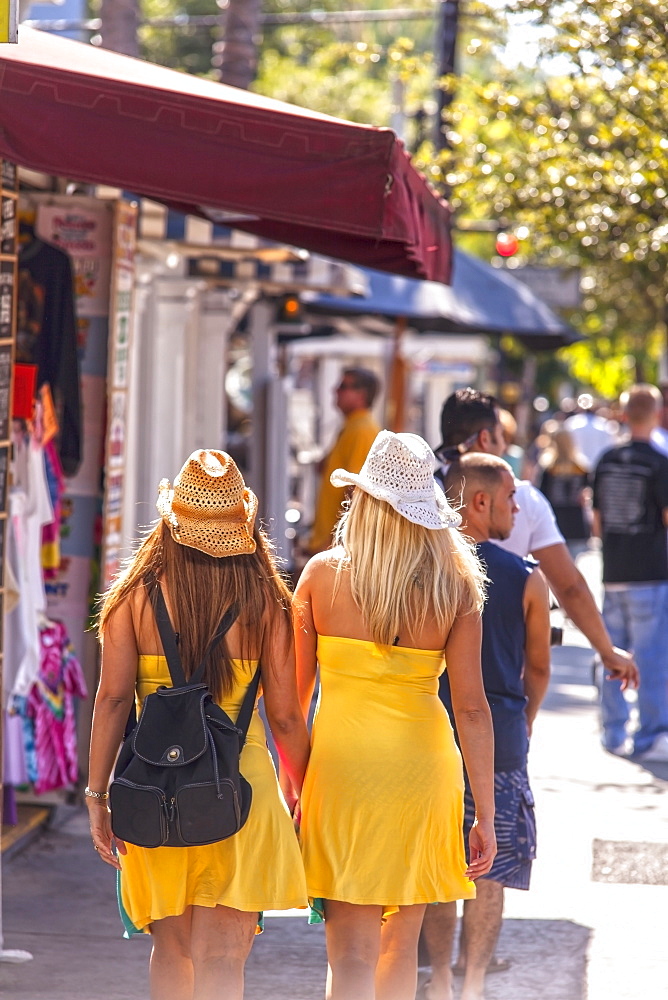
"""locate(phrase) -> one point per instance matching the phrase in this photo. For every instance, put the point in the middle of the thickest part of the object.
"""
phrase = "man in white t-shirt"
(592, 434)
(470, 422)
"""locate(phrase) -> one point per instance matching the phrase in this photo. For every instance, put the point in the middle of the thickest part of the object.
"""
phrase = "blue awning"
(481, 299)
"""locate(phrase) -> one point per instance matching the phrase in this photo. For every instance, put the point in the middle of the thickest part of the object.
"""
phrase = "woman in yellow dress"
(202, 904)
(381, 614)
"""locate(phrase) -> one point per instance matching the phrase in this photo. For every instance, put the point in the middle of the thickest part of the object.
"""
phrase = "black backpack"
(177, 781)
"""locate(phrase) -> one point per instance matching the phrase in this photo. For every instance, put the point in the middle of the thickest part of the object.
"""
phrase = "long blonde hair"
(561, 457)
(401, 572)
(201, 589)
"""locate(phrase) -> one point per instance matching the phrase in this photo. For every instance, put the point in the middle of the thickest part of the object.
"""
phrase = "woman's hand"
(291, 798)
(297, 817)
(104, 841)
(482, 848)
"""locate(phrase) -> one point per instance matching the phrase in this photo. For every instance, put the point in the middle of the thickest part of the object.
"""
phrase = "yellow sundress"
(257, 869)
(382, 804)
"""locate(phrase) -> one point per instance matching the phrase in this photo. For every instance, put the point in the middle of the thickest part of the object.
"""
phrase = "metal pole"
(261, 318)
(446, 62)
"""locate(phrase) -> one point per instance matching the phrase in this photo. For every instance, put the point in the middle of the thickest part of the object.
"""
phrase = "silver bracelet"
(90, 794)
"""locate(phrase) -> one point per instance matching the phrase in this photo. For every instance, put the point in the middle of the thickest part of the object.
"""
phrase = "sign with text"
(7, 297)
(85, 233)
(123, 272)
(8, 286)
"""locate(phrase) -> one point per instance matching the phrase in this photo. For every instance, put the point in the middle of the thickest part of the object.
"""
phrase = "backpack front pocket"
(207, 812)
(138, 813)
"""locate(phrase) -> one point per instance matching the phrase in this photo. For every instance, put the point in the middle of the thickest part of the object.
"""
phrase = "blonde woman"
(202, 904)
(564, 480)
(397, 598)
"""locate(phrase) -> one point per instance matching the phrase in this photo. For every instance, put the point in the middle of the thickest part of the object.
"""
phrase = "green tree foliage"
(577, 152)
(183, 47)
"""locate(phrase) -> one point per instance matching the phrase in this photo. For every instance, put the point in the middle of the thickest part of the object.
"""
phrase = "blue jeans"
(637, 619)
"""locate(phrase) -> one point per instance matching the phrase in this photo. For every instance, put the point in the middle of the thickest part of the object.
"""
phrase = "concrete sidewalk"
(592, 927)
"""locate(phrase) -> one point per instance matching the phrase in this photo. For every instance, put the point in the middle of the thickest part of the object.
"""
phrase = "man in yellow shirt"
(355, 395)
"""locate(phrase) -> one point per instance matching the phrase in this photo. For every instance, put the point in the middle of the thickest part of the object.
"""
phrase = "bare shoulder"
(121, 617)
(321, 567)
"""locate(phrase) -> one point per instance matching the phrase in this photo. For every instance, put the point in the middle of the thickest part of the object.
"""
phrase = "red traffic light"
(507, 244)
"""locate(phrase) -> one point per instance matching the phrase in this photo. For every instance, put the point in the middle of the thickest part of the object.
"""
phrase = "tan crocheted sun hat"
(209, 507)
(400, 470)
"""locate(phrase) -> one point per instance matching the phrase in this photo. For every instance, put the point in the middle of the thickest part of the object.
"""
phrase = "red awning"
(330, 186)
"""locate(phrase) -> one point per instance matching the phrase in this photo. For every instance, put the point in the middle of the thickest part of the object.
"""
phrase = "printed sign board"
(9, 20)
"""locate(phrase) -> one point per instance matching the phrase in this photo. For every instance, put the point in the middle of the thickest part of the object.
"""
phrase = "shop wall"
(83, 228)
(176, 395)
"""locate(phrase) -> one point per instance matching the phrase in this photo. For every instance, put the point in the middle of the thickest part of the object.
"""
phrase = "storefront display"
(62, 291)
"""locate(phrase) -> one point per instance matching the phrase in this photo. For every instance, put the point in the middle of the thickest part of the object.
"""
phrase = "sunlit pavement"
(592, 927)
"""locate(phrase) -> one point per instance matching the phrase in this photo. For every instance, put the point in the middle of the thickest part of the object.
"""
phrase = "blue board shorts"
(515, 827)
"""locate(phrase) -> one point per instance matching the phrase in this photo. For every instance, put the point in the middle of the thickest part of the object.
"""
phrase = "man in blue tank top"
(516, 670)
(470, 421)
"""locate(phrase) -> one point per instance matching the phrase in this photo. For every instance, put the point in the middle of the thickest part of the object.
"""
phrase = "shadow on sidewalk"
(288, 961)
(549, 961)
(60, 905)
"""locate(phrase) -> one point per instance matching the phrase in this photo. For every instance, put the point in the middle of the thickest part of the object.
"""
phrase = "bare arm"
(571, 590)
(476, 738)
(279, 686)
(306, 639)
(536, 644)
(113, 701)
(595, 523)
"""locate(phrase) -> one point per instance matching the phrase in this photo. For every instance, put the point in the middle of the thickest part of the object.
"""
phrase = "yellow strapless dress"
(257, 869)
(382, 804)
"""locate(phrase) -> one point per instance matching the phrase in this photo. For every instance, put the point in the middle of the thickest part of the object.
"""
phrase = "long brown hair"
(201, 588)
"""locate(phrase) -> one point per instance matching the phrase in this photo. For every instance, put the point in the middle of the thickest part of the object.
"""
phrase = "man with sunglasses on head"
(354, 396)
(470, 422)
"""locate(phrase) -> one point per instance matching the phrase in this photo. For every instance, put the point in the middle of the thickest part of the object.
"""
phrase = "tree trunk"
(235, 56)
(119, 26)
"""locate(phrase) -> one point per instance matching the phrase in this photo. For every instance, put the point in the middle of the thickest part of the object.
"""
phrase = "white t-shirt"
(592, 435)
(535, 525)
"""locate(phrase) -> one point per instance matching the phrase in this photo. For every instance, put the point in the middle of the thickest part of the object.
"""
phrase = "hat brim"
(430, 510)
(230, 539)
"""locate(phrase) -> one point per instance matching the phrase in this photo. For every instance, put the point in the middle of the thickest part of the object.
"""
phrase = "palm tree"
(235, 56)
(119, 26)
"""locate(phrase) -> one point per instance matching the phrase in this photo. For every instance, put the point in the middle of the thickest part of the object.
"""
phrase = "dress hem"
(426, 900)
(145, 922)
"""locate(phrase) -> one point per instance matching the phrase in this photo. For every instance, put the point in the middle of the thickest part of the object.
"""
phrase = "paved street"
(593, 926)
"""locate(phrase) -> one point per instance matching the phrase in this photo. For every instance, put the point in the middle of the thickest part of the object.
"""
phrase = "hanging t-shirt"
(46, 336)
(630, 494)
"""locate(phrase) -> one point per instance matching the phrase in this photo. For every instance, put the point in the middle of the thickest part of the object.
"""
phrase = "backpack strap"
(168, 638)
(247, 707)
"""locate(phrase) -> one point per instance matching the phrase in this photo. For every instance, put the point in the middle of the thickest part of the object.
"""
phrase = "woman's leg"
(221, 940)
(396, 975)
(353, 946)
(171, 967)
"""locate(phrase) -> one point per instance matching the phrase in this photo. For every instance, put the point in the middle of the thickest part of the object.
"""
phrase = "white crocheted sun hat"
(400, 470)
